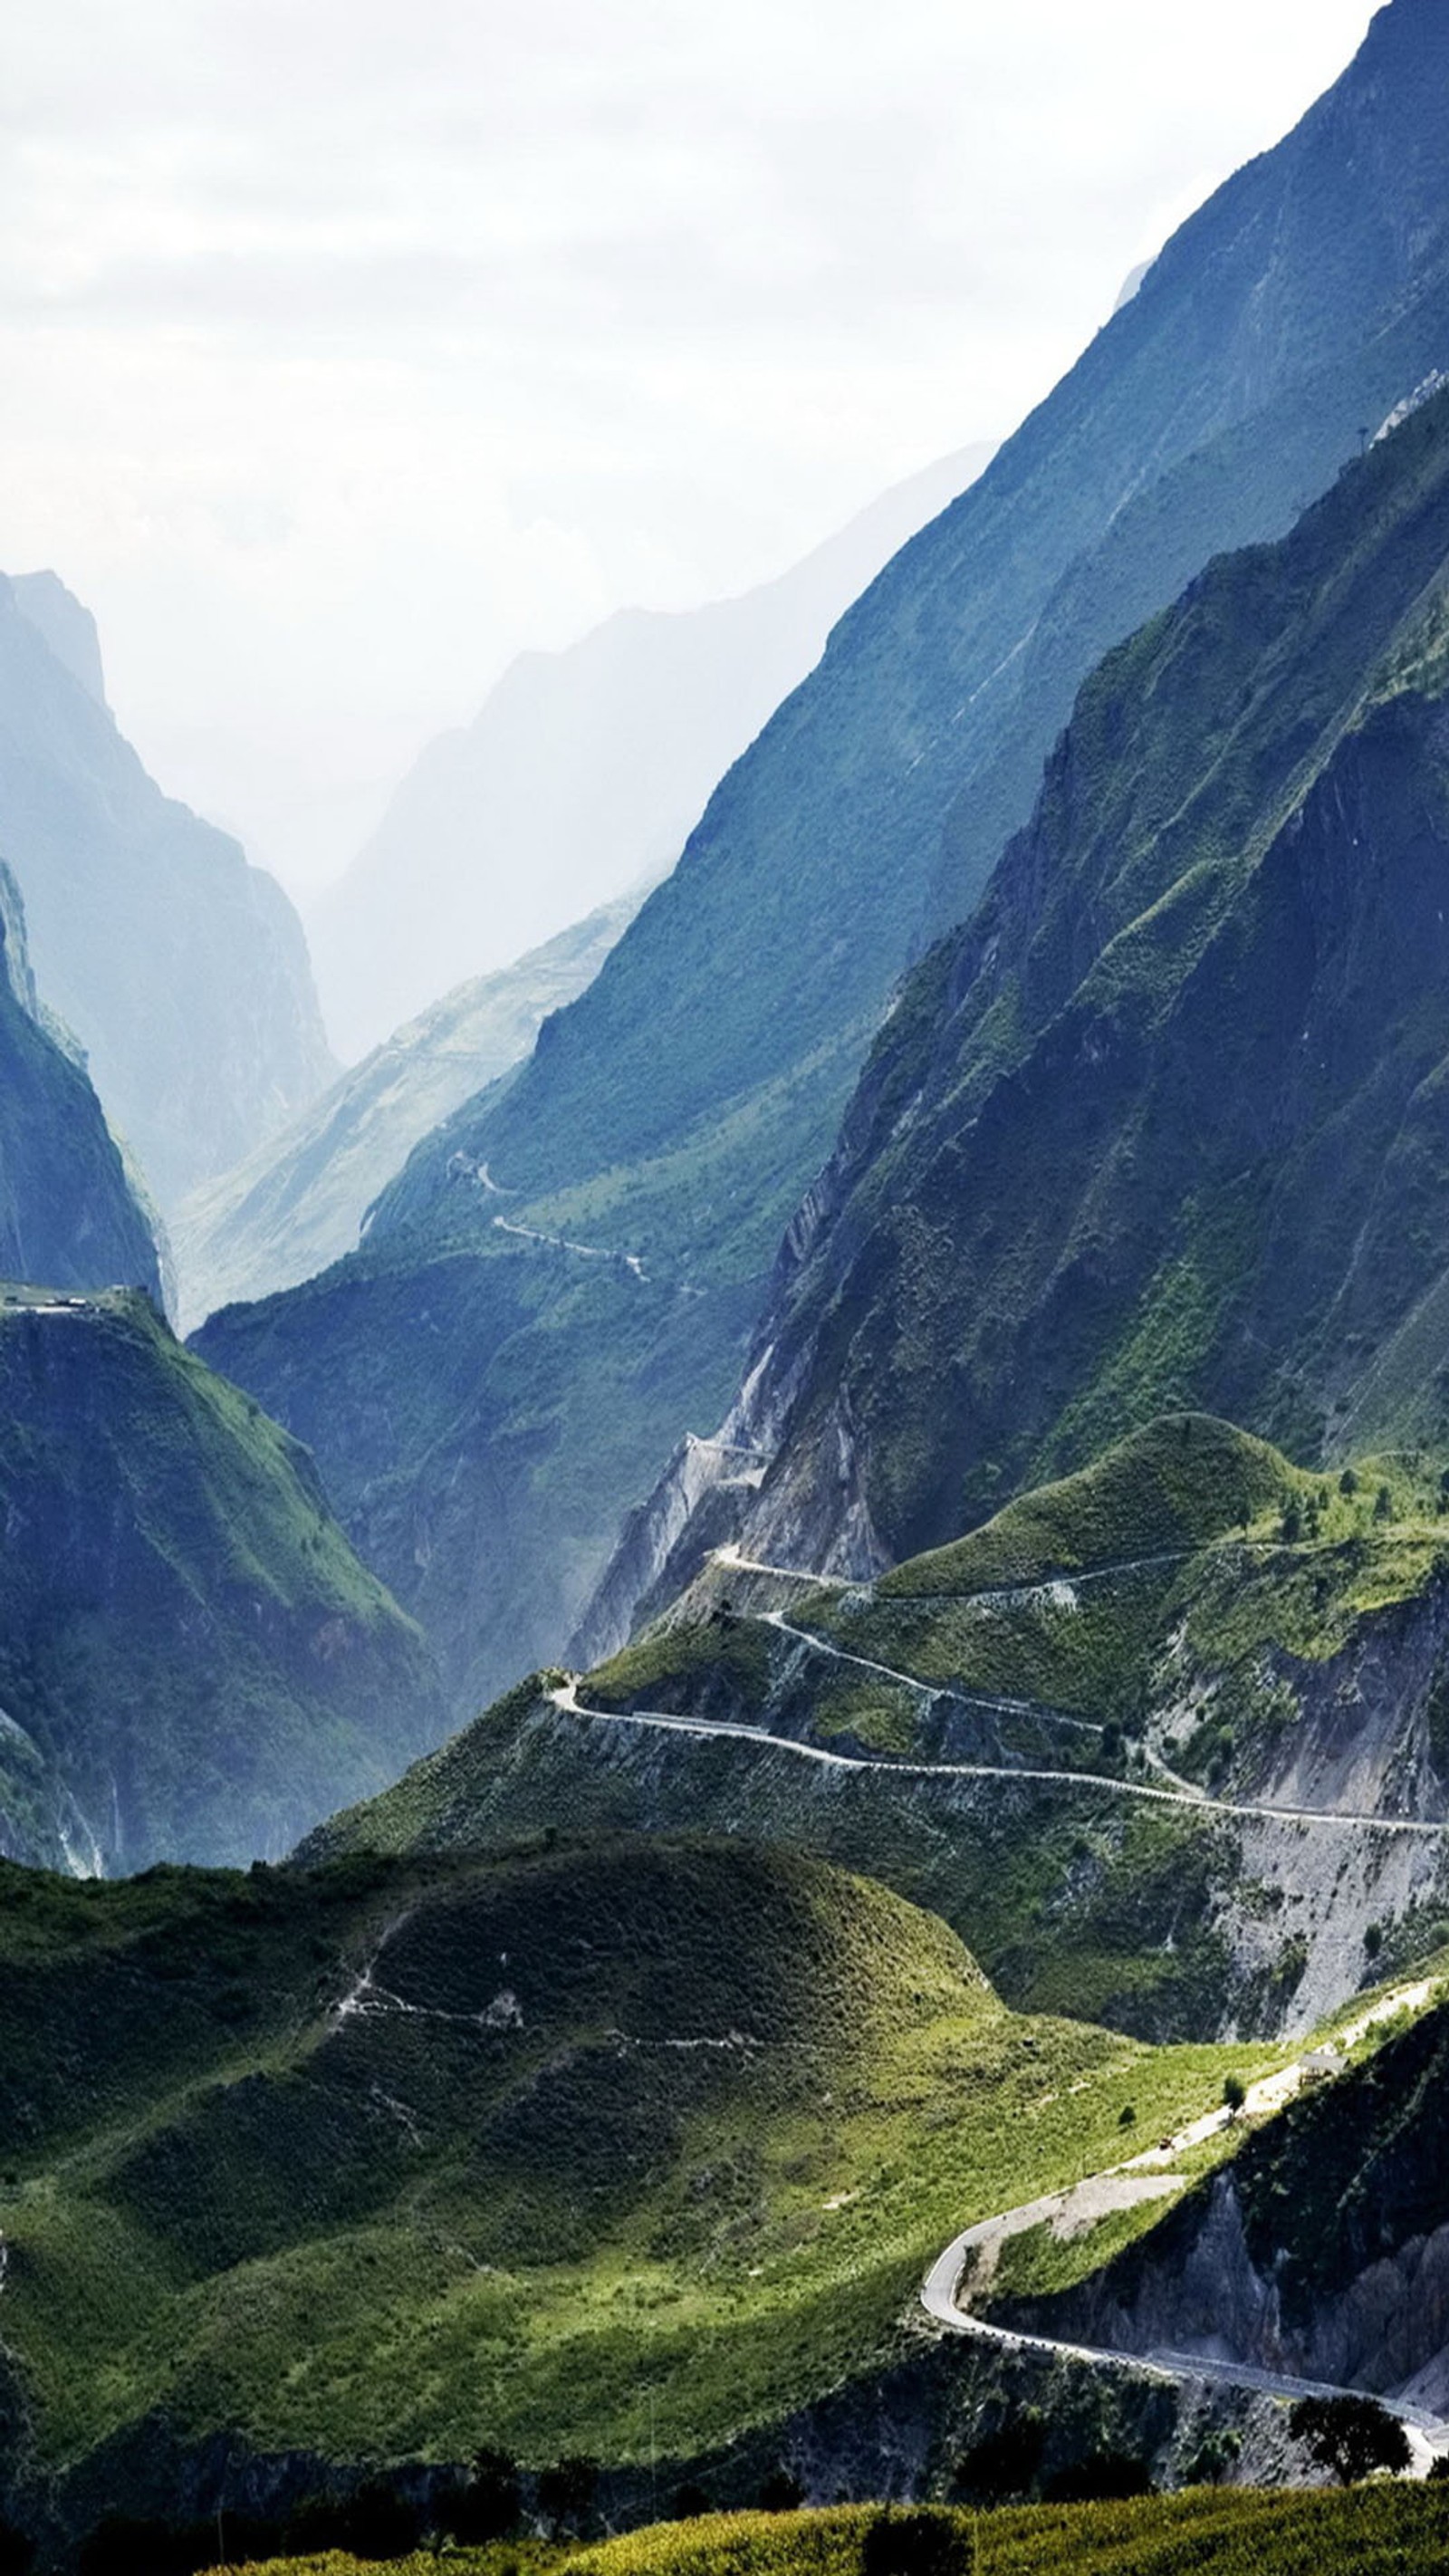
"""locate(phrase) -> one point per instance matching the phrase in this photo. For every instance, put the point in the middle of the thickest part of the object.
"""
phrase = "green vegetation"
(609, 2146)
(1376, 2531)
(1383, 2530)
(192, 1661)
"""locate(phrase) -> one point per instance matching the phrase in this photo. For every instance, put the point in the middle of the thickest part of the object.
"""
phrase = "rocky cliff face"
(67, 1212)
(182, 971)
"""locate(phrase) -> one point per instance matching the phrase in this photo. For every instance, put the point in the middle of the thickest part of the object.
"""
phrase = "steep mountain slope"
(193, 1665)
(1164, 1743)
(299, 1202)
(677, 1111)
(583, 774)
(1320, 2251)
(624, 2148)
(67, 1212)
(1161, 1126)
(182, 971)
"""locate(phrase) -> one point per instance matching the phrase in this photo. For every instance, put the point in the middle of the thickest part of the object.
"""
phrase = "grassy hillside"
(604, 2147)
(1193, 1616)
(1224, 2535)
(193, 1664)
(1379, 2531)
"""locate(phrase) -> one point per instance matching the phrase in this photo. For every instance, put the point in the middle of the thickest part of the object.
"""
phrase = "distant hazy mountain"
(298, 1203)
(182, 970)
(67, 1212)
(584, 772)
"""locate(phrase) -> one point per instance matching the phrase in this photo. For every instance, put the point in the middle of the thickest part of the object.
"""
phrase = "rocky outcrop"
(697, 1507)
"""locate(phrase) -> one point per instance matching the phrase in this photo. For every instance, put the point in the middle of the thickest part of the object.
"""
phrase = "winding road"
(565, 1697)
(1143, 2177)
(1127, 2185)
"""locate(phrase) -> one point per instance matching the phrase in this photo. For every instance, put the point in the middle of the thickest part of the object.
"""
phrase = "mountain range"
(582, 775)
(300, 1202)
(671, 1123)
(919, 1985)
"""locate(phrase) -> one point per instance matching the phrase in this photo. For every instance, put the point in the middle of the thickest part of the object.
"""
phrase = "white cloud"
(350, 345)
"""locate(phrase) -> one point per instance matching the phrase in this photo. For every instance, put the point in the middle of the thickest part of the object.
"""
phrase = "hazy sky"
(347, 346)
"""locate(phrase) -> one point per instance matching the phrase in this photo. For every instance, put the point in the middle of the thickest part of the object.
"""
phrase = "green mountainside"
(193, 1664)
(676, 1113)
(1161, 1126)
(1080, 1735)
(1317, 2250)
(611, 2148)
(68, 1213)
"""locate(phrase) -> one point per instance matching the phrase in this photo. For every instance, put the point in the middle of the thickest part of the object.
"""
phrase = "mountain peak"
(65, 625)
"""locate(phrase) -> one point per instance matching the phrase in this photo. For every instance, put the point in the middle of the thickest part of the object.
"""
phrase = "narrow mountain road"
(1126, 2186)
(629, 1261)
(565, 1698)
(1034, 1709)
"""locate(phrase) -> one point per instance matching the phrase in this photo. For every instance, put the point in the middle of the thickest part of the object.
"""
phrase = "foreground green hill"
(1376, 2534)
(1382, 2531)
(193, 1664)
(1080, 1734)
(679, 1110)
(610, 2148)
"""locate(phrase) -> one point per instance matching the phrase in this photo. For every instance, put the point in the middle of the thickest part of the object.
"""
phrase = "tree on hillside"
(1234, 2095)
(490, 2506)
(566, 2493)
(921, 2540)
(1351, 2436)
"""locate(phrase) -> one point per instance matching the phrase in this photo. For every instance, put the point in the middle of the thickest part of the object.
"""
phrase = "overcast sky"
(349, 346)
